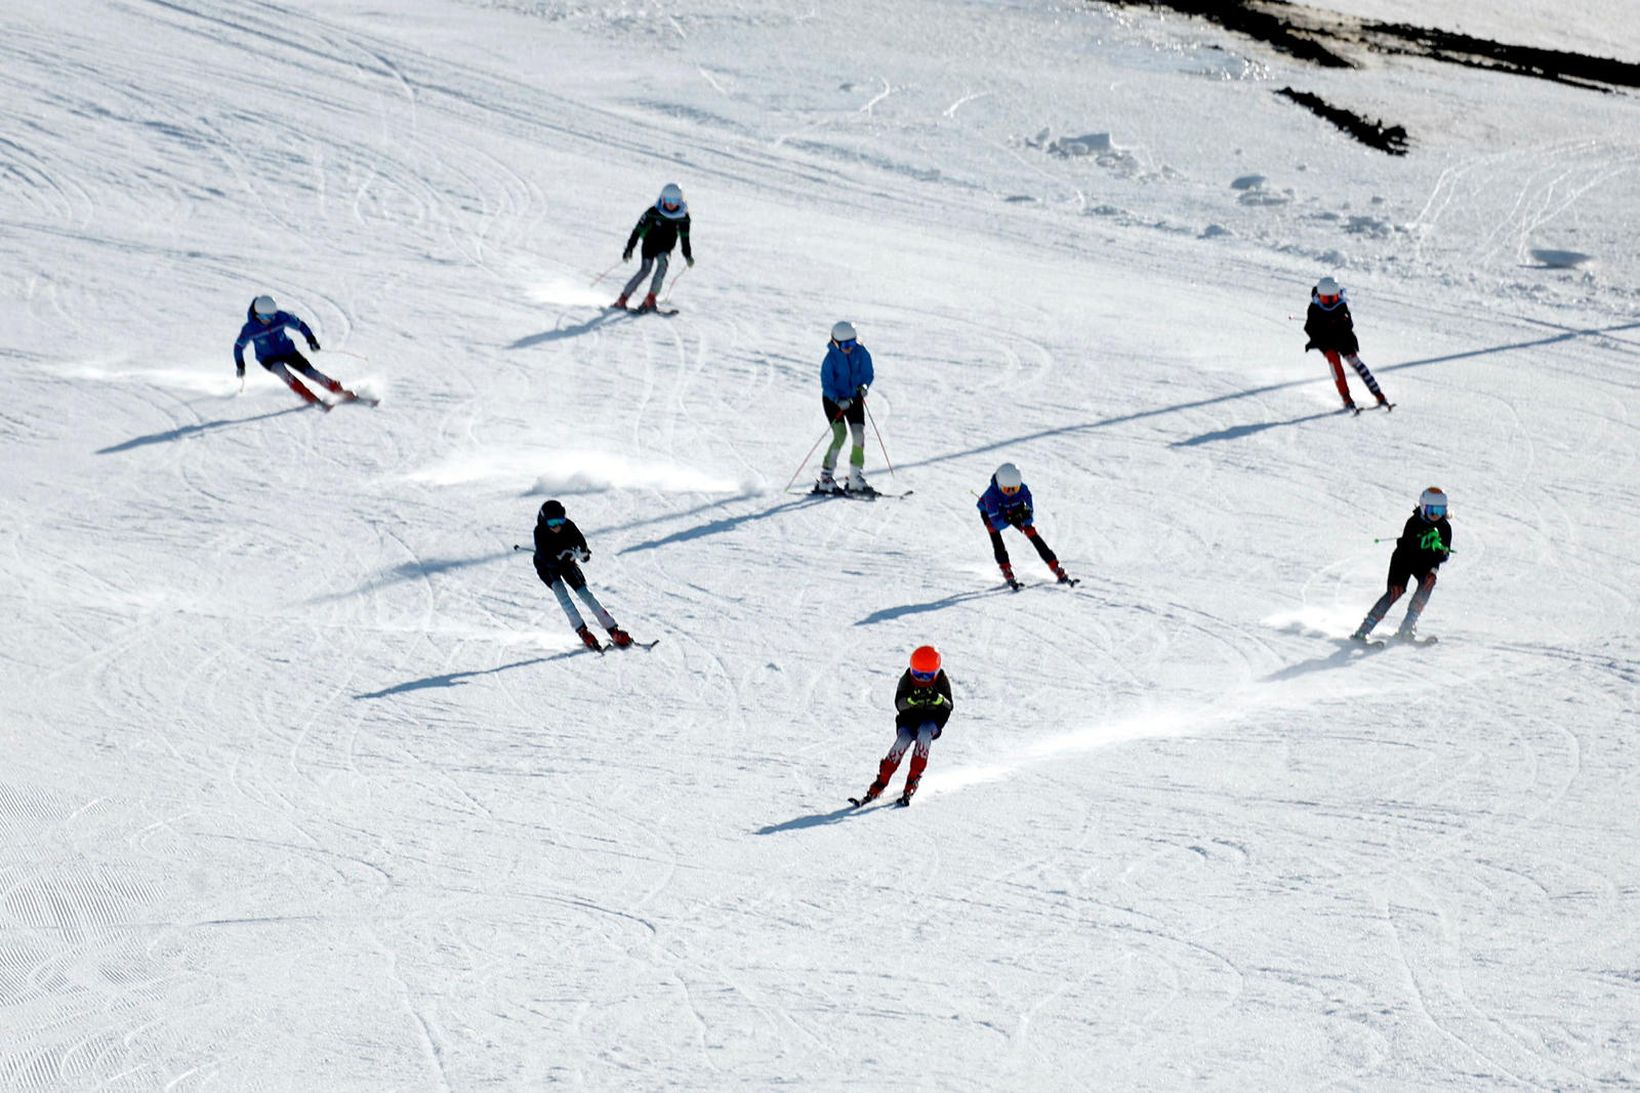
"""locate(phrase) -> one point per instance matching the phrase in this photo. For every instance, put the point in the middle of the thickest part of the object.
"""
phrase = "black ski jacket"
(916, 704)
(1330, 328)
(550, 548)
(1423, 545)
(659, 234)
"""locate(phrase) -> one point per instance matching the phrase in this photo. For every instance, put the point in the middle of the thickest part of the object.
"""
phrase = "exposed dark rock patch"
(1326, 39)
(1374, 134)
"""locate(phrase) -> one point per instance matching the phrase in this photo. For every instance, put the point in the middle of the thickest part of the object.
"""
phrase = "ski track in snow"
(310, 787)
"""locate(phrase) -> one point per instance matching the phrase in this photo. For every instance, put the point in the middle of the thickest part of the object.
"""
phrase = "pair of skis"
(598, 647)
(664, 312)
(902, 801)
(1379, 643)
(1358, 410)
(870, 493)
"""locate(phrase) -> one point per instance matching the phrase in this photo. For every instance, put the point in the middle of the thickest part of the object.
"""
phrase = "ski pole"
(816, 444)
(605, 273)
(674, 283)
(345, 353)
(880, 443)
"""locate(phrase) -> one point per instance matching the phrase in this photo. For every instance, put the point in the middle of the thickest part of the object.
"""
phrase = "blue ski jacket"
(842, 374)
(1001, 509)
(269, 338)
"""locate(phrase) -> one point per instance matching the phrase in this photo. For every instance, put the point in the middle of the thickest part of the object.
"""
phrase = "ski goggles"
(1328, 300)
(671, 206)
(1009, 490)
(1435, 512)
(924, 677)
(556, 521)
(850, 344)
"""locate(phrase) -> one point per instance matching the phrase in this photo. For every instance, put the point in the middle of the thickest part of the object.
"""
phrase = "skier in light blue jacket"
(845, 377)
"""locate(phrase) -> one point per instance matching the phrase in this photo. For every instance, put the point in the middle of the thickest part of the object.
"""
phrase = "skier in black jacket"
(1331, 329)
(1425, 543)
(560, 548)
(922, 706)
(661, 227)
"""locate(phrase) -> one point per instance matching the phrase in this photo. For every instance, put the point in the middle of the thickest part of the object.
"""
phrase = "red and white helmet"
(1432, 504)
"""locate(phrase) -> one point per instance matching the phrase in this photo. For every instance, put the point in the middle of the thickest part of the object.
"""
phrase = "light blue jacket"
(844, 373)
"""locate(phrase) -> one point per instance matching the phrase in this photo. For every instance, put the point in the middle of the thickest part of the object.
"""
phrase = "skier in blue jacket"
(264, 330)
(1008, 501)
(844, 378)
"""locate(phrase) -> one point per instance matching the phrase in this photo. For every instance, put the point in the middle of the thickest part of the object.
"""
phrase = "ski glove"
(844, 403)
(1309, 346)
(691, 262)
(932, 698)
(239, 370)
(860, 392)
(313, 344)
(626, 255)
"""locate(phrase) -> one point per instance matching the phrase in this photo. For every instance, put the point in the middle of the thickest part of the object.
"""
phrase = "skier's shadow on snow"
(458, 679)
(1348, 652)
(1236, 432)
(728, 523)
(195, 429)
(884, 614)
(420, 569)
(819, 819)
(1566, 334)
(575, 331)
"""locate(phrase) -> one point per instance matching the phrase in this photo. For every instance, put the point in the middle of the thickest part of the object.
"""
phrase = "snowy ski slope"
(308, 786)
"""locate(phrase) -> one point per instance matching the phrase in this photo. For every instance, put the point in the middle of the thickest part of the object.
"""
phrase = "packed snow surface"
(309, 786)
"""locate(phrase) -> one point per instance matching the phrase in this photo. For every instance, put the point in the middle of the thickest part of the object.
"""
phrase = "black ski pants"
(1001, 552)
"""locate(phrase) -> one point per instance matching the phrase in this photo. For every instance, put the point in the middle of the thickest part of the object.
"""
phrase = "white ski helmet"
(1328, 287)
(1432, 503)
(264, 307)
(670, 203)
(842, 331)
(1008, 477)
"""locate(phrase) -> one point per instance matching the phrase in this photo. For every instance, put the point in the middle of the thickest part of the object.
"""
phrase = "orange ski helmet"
(925, 661)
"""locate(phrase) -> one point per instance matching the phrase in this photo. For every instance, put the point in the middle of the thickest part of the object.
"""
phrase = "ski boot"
(871, 794)
(1008, 576)
(620, 301)
(1350, 407)
(825, 483)
(1062, 576)
(588, 639)
(905, 798)
(1406, 633)
(620, 638)
(648, 303)
(857, 481)
(1360, 634)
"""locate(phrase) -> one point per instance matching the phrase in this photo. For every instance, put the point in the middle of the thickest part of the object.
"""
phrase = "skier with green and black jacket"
(662, 226)
(1425, 543)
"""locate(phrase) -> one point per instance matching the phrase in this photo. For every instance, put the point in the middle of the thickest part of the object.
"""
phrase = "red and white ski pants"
(1361, 370)
(922, 737)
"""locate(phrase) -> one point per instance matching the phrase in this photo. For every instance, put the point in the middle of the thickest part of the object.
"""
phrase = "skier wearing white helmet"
(845, 376)
(1425, 543)
(1331, 329)
(1007, 501)
(661, 227)
(264, 331)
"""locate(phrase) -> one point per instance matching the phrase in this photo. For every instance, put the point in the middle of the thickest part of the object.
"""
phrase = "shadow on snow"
(818, 819)
(186, 431)
(886, 613)
(1253, 392)
(717, 527)
(575, 331)
(1348, 652)
(409, 571)
(458, 679)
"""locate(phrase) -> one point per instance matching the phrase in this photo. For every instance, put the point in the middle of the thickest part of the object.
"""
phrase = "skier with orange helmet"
(922, 706)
